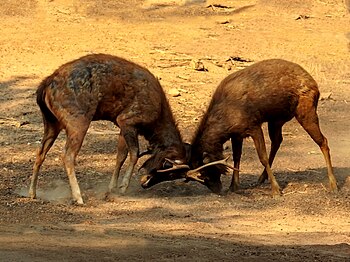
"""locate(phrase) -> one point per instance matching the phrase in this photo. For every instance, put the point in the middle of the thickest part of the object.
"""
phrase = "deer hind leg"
(51, 131)
(260, 146)
(275, 134)
(307, 117)
(122, 153)
(75, 137)
(236, 154)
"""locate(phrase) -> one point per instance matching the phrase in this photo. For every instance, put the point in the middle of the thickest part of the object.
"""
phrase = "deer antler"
(218, 162)
(195, 177)
(175, 166)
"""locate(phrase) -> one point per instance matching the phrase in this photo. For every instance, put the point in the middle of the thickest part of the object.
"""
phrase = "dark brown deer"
(272, 91)
(105, 87)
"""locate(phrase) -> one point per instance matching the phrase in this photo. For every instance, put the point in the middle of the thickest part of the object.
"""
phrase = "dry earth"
(174, 221)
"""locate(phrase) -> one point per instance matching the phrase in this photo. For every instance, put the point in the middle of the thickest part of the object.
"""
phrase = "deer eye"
(167, 164)
(206, 159)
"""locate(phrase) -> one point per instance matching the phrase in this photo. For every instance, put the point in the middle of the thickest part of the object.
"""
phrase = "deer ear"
(206, 159)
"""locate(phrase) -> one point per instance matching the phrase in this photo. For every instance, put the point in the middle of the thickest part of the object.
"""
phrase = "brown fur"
(105, 87)
(272, 91)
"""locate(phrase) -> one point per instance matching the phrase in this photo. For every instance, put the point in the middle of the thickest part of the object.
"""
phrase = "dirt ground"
(174, 221)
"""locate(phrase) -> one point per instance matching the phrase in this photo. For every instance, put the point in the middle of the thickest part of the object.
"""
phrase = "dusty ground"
(173, 221)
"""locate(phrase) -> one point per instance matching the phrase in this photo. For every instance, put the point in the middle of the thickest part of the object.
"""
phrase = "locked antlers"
(176, 166)
(193, 174)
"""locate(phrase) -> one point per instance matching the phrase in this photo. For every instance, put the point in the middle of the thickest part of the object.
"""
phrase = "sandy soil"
(174, 221)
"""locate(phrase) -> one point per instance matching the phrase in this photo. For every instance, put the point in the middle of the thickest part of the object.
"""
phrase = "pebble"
(174, 92)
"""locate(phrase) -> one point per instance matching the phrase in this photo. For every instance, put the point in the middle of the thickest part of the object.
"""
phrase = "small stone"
(198, 65)
(224, 22)
(312, 152)
(325, 96)
(174, 92)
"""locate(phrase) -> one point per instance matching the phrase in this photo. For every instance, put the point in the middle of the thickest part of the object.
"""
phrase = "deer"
(273, 91)
(105, 87)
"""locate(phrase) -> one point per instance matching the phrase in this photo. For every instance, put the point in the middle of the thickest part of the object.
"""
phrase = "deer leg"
(275, 133)
(130, 136)
(122, 153)
(236, 154)
(51, 131)
(75, 137)
(308, 119)
(260, 146)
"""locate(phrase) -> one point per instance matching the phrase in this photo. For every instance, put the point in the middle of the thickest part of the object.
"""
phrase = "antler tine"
(170, 161)
(175, 166)
(218, 162)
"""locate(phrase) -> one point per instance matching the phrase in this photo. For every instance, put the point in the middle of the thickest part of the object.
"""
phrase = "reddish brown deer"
(105, 87)
(272, 91)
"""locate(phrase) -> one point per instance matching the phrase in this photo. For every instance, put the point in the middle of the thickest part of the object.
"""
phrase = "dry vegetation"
(174, 221)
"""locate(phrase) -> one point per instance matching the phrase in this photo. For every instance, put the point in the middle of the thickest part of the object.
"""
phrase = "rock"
(174, 92)
(302, 17)
(224, 22)
(325, 96)
(197, 65)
